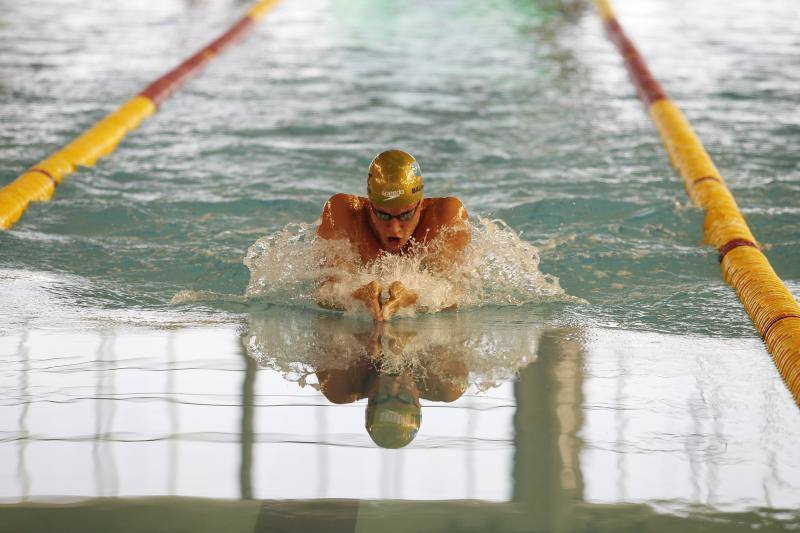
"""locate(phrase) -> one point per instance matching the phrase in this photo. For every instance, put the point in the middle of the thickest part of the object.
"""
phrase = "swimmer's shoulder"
(447, 210)
(340, 214)
(440, 214)
(342, 204)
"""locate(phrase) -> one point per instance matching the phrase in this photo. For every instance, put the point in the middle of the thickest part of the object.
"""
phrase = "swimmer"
(393, 412)
(390, 220)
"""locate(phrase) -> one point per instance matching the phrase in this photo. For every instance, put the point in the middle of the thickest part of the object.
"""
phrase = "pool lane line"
(38, 183)
(771, 306)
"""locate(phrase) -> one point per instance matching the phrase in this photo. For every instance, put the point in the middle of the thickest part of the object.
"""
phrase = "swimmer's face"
(394, 225)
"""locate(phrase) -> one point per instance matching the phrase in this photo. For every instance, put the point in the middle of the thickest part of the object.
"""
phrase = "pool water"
(140, 384)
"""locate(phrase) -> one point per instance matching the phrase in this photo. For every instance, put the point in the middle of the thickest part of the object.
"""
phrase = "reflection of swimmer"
(492, 345)
(393, 217)
(394, 413)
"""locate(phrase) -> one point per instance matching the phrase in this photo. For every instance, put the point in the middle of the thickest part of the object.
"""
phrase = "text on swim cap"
(391, 195)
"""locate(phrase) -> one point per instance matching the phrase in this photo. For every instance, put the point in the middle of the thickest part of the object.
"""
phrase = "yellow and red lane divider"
(38, 183)
(769, 303)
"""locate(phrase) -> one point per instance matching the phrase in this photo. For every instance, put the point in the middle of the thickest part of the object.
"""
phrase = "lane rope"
(773, 309)
(38, 183)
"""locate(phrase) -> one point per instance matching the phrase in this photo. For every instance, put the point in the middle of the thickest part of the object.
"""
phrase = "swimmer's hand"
(370, 294)
(399, 296)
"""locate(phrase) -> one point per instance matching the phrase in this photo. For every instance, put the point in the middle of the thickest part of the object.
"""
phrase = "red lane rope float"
(771, 306)
(730, 245)
(39, 182)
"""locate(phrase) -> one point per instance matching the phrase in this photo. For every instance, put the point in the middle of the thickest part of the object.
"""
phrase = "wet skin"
(355, 218)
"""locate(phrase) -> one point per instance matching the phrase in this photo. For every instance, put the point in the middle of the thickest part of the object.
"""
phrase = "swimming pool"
(646, 385)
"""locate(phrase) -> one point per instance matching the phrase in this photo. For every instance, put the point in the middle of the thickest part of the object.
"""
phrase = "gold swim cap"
(394, 179)
(393, 424)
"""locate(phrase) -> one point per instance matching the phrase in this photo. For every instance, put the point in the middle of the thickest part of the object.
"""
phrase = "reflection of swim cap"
(393, 424)
(394, 179)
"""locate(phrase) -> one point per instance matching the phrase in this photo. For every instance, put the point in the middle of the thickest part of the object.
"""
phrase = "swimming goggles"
(402, 217)
(402, 396)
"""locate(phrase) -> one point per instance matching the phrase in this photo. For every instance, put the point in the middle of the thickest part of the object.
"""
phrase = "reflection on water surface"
(392, 365)
(595, 417)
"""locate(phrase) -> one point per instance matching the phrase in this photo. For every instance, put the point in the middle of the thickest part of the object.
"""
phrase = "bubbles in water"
(497, 268)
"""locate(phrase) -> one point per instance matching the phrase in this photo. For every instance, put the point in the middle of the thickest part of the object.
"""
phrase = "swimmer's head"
(393, 412)
(394, 180)
(394, 187)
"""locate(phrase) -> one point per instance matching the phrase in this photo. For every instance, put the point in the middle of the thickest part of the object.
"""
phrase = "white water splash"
(497, 268)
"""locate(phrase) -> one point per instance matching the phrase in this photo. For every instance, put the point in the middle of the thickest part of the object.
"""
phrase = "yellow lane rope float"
(38, 183)
(769, 303)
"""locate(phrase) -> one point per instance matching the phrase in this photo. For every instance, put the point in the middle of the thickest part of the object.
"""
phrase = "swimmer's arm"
(338, 221)
(453, 228)
(335, 209)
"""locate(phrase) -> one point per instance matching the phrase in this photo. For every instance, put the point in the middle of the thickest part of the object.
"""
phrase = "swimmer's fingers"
(370, 295)
(389, 308)
(396, 289)
(375, 290)
(400, 297)
(375, 310)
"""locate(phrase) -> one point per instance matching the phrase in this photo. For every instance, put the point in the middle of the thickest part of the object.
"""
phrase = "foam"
(497, 268)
